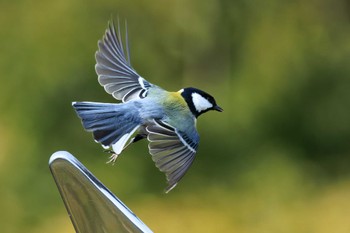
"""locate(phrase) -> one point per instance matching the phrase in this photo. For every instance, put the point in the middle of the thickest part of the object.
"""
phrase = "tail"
(111, 124)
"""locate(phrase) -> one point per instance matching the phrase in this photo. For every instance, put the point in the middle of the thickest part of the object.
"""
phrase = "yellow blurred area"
(327, 211)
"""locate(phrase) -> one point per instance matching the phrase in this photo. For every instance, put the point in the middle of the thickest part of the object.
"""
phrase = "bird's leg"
(114, 156)
(138, 137)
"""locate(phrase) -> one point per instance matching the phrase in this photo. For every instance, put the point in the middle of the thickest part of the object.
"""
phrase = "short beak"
(217, 108)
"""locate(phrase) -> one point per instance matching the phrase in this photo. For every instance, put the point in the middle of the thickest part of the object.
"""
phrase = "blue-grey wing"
(114, 70)
(172, 151)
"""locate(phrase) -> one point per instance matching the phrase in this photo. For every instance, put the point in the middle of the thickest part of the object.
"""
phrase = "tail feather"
(111, 124)
(108, 136)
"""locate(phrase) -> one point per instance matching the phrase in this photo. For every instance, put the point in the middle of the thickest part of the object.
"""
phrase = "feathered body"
(166, 119)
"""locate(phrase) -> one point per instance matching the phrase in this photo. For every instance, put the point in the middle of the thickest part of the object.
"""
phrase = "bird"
(146, 111)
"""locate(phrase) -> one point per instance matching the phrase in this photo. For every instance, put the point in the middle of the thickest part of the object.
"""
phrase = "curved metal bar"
(90, 205)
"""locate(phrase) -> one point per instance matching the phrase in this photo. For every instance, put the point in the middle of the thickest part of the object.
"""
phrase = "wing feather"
(172, 151)
(114, 70)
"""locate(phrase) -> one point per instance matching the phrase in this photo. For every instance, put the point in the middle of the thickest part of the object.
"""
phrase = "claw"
(112, 158)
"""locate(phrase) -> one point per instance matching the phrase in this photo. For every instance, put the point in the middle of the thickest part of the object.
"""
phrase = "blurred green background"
(276, 160)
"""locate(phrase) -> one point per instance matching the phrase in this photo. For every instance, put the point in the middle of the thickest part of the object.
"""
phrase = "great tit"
(166, 119)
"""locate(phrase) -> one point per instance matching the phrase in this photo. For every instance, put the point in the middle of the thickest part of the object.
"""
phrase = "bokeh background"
(276, 160)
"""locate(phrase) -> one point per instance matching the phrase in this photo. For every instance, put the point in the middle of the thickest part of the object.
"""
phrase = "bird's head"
(199, 101)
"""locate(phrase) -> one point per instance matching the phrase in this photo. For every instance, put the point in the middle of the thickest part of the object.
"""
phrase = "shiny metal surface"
(90, 205)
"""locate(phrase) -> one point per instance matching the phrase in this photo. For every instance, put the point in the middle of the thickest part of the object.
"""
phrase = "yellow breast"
(175, 98)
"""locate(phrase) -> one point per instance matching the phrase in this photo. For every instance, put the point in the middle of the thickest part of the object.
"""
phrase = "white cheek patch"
(200, 103)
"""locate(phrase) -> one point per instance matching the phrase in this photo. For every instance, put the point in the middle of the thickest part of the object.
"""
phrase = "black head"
(199, 101)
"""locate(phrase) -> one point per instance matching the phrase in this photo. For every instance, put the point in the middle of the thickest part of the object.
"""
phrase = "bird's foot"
(112, 158)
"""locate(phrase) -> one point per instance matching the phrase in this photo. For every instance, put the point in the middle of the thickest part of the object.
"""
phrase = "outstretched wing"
(114, 70)
(172, 151)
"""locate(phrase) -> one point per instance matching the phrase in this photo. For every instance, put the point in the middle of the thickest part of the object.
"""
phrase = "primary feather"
(114, 71)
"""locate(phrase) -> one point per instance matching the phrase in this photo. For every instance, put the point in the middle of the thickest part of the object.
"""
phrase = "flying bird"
(166, 119)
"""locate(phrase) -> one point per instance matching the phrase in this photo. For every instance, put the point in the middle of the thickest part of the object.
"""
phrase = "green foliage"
(278, 68)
